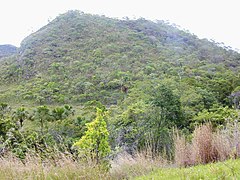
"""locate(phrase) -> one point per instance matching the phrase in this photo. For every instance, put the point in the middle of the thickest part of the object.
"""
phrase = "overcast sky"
(212, 19)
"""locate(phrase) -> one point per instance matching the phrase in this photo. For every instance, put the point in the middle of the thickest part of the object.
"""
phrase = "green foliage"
(95, 141)
(4, 110)
(42, 115)
(72, 60)
(128, 127)
(168, 104)
(5, 126)
(217, 116)
(60, 113)
(20, 115)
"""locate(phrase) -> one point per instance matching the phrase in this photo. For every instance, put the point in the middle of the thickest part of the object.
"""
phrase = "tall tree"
(165, 113)
(169, 106)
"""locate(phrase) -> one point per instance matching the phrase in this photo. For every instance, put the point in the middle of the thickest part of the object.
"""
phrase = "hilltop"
(81, 57)
(7, 50)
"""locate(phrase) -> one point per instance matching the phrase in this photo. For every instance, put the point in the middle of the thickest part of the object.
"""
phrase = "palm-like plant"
(20, 115)
(60, 113)
(42, 114)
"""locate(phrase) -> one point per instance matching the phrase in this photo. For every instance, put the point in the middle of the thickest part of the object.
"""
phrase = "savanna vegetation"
(90, 97)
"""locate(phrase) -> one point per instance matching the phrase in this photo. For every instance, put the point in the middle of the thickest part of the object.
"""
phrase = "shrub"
(94, 143)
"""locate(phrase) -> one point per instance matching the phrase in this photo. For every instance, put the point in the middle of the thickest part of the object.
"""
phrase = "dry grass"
(182, 152)
(35, 168)
(202, 146)
(207, 146)
(222, 146)
(126, 166)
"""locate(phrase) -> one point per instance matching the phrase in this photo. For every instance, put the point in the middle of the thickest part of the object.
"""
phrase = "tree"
(169, 106)
(20, 115)
(128, 127)
(60, 113)
(165, 113)
(95, 141)
(42, 114)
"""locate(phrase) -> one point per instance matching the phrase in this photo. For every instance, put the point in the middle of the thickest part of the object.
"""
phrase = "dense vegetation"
(128, 83)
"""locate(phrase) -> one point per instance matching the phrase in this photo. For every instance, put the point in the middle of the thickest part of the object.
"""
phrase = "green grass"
(222, 170)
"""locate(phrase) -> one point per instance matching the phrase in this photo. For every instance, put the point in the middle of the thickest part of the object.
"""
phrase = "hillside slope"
(80, 57)
(7, 50)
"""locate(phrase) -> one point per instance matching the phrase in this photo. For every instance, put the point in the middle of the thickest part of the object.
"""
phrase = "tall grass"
(182, 150)
(125, 166)
(207, 146)
(63, 168)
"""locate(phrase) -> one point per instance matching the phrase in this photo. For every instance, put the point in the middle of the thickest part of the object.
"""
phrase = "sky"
(211, 19)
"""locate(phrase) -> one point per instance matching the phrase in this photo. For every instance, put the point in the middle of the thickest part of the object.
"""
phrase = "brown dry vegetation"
(123, 167)
(126, 166)
(207, 146)
(35, 168)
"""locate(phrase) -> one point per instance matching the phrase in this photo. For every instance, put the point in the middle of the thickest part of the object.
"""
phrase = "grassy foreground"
(33, 168)
(126, 168)
(222, 170)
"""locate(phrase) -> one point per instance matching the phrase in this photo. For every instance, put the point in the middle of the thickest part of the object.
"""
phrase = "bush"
(94, 144)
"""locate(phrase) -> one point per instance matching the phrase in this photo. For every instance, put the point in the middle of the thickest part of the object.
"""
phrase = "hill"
(86, 84)
(7, 50)
(79, 57)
